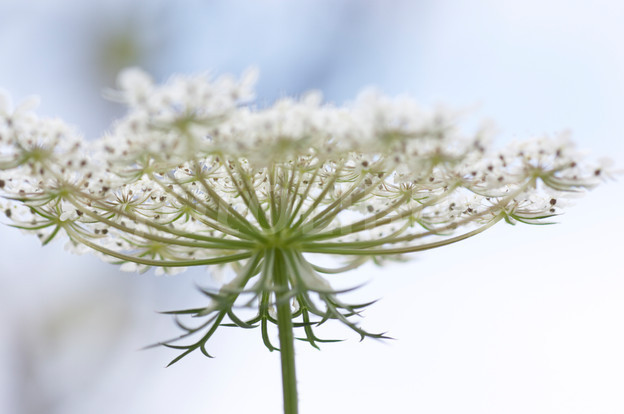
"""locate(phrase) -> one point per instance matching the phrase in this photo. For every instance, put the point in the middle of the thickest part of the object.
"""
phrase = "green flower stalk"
(195, 175)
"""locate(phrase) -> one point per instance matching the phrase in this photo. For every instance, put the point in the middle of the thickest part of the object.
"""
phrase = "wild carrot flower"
(195, 175)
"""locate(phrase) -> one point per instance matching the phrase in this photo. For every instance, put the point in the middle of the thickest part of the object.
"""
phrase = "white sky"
(517, 320)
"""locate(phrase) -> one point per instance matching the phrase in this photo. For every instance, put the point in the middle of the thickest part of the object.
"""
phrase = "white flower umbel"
(196, 176)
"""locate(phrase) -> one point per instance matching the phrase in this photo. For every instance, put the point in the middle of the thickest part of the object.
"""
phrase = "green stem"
(286, 337)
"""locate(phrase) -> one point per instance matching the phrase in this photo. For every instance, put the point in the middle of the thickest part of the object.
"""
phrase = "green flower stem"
(306, 192)
(378, 219)
(253, 202)
(222, 204)
(293, 193)
(225, 228)
(78, 203)
(286, 337)
(348, 199)
(356, 250)
(232, 220)
(328, 186)
(222, 244)
(337, 205)
(366, 225)
(151, 262)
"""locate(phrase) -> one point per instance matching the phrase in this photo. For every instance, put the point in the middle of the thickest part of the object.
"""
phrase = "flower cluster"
(195, 175)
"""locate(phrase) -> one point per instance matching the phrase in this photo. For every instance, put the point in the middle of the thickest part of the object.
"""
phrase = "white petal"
(5, 103)
(133, 79)
(128, 267)
(28, 104)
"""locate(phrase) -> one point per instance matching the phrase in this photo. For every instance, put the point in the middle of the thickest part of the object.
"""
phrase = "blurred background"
(516, 320)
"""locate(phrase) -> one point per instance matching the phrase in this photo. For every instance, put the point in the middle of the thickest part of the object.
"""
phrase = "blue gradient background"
(517, 320)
